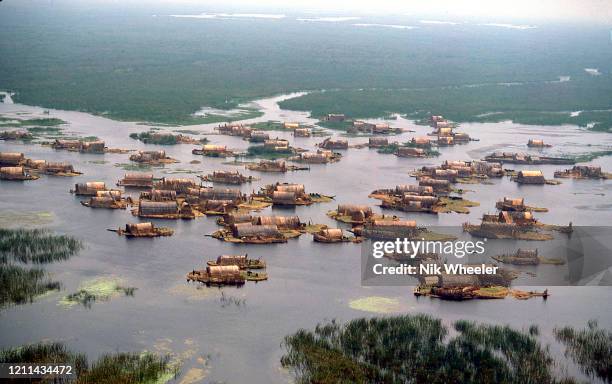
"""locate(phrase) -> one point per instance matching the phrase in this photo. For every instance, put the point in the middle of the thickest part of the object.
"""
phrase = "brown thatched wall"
(284, 198)
(157, 208)
(349, 209)
(11, 158)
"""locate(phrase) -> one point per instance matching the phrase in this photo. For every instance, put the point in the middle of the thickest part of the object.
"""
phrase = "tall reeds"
(418, 349)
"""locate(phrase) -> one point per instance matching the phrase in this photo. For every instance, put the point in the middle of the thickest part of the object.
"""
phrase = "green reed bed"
(36, 246)
(19, 285)
(591, 348)
(420, 349)
(122, 368)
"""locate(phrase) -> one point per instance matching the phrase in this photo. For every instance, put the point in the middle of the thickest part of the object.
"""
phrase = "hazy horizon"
(596, 11)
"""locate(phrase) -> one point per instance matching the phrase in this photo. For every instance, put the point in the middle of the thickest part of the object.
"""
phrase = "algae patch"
(377, 304)
(102, 289)
(25, 219)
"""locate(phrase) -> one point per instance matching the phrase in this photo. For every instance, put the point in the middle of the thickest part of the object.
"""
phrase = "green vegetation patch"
(102, 289)
(419, 349)
(268, 126)
(20, 285)
(377, 304)
(124, 368)
(270, 154)
(338, 125)
(36, 246)
(41, 122)
(591, 348)
(12, 218)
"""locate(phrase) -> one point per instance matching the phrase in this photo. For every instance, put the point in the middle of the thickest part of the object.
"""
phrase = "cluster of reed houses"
(15, 166)
(213, 150)
(227, 177)
(525, 159)
(451, 171)
(100, 196)
(512, 218)
(331, 143)
(279, 166)
(155, 137)
(582, 172)
(444, 132)
(286, 194)
(97, 146)
(359, 126)
(321, 156)
(152, 157)
(258, 136)
(246, 228)
(408, 198)
(16, 135)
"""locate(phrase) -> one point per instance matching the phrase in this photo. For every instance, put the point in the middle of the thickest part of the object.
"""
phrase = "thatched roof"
(530, 174)
(394, 224)
(11, 158)
(214, 148)
(233, 218)
(331, 233)
(12, 170)
(139, 228)
(232, 259)
(378, 141)
(113, 194)
(348, 209)
(280, 197)
(157, 207)
(138, 176)
(224, 271)
(242, 230)
(458, 281)
(278, 221)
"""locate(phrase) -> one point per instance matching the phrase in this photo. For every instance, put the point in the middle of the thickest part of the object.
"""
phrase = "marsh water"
(240, 340)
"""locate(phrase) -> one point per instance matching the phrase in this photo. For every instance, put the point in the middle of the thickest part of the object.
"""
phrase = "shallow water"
(309, 282)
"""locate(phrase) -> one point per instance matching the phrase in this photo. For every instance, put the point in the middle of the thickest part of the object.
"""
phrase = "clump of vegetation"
(584, 158)
(148, 138)
(36, 246)
(591, 348)
(19, 285)
(97, 290)
(393, 147)
(417, 349)
(41, 122)
(268, 126)
(124, 368)
(266, 153)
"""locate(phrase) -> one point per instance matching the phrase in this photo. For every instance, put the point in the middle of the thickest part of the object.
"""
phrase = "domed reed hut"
(334, 144)
(390, 229)
(212, 150)
(104, 202)
(530, 177)
(97, 146)
(59, 169)
(537, 143)
(227, 177)
(143, 230)
(242, 261)
(281, 222)
(158, 195)
(111, 199)
(16, 174)
(235, 218)
(164, 210)
(354, 213)
(583, 172)
(152, 157)
(410, 152)
(438, 185)
(302, 132)
(218, 275)
(202, 194)
(378, 142)
(319, 157)
(71, 145)
(180, 185)
(445, 141)
(330, 235)
(90, 188)
(258, 137)
(217, 207)
(256, 234)
(137, 180)
(11, 159)
(510, 204)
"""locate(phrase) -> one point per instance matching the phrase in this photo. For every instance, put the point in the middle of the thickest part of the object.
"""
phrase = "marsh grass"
(20, 285)
(265, 153)
(417, 349)
(118, 368)
(36, 246)
(591, 348)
